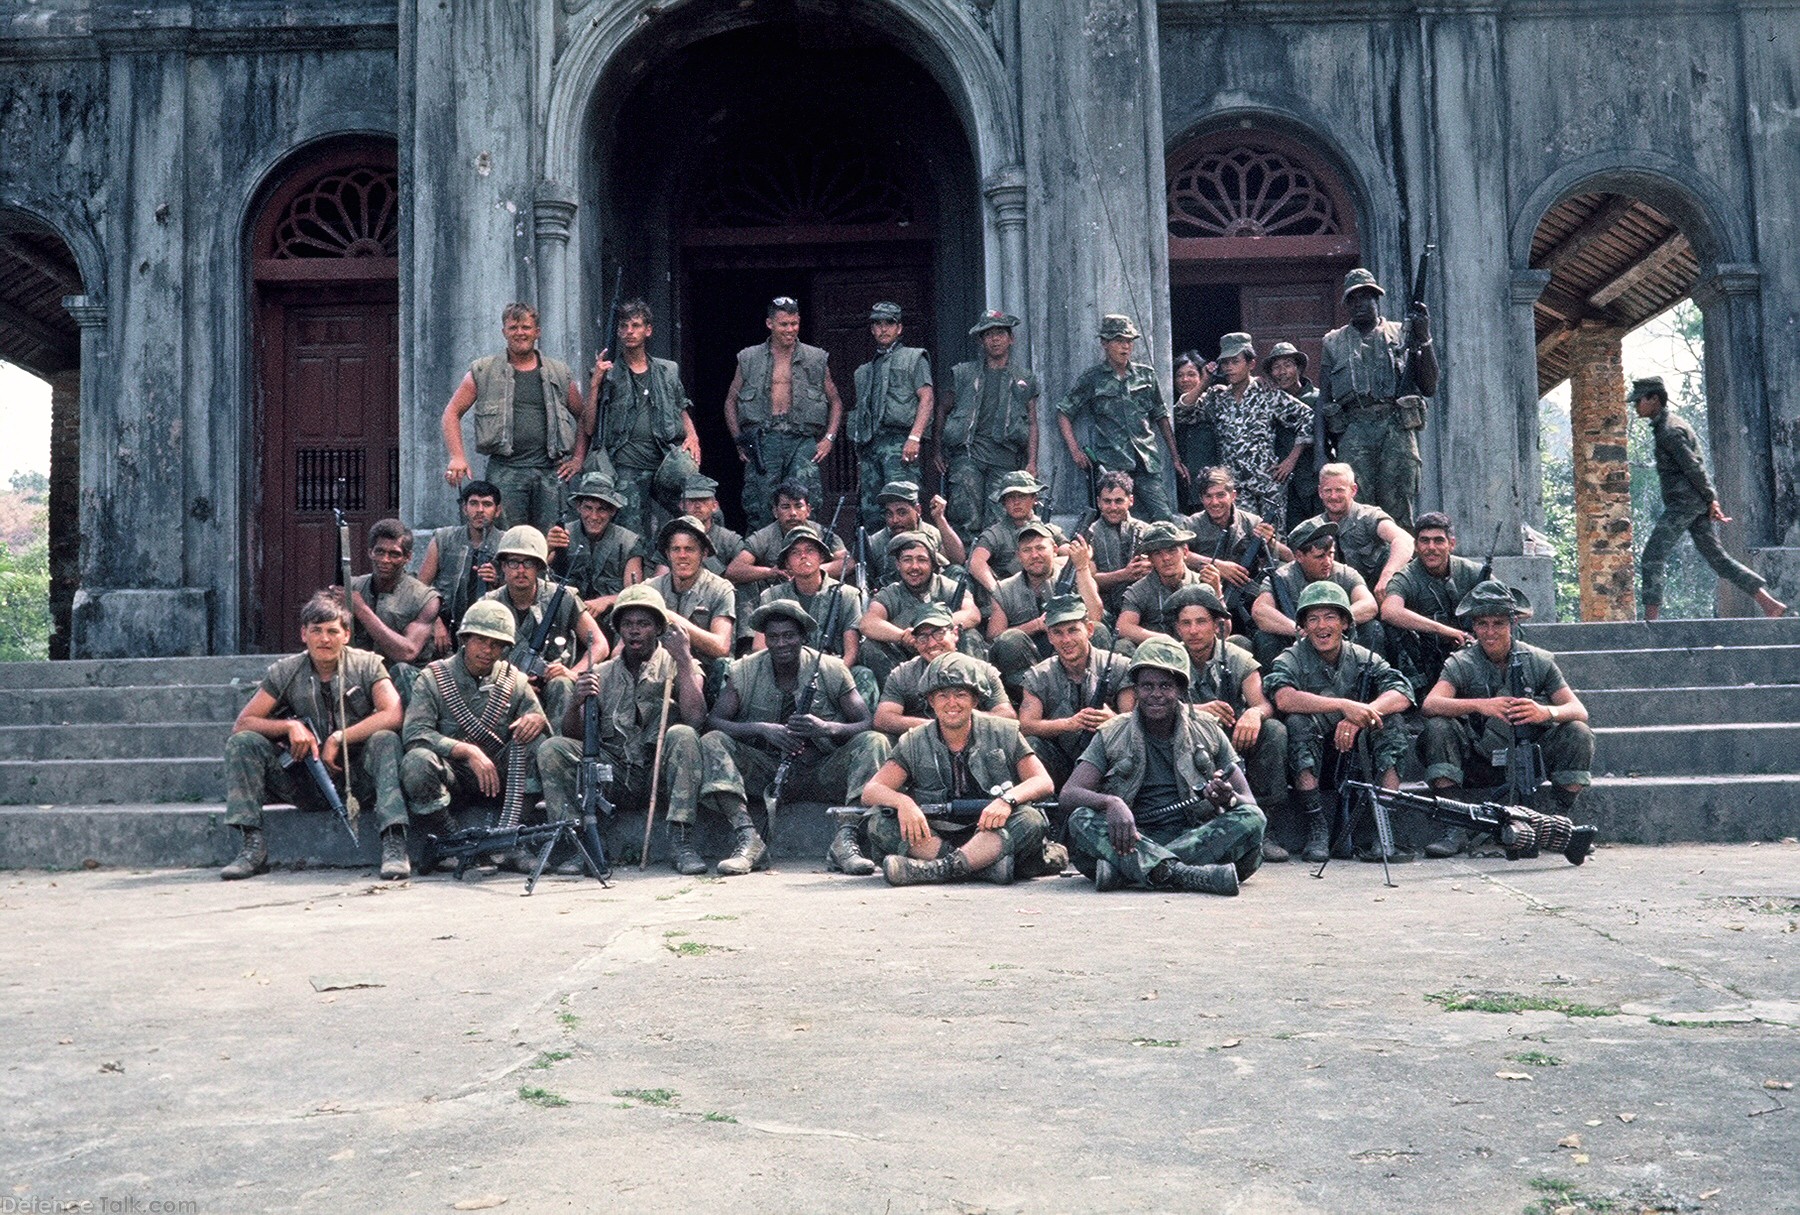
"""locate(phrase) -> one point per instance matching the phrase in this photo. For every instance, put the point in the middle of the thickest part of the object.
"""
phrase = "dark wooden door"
(330, 411)
(841, 302)
(1298, 311)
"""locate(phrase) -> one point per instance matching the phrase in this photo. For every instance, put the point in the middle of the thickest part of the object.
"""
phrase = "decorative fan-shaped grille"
(802, 183)
(346, 213)
(1248, 189)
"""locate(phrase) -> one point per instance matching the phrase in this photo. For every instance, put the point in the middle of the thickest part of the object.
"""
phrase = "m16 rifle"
(471, 586)
(749, 442)
(1521, 831)
(320, 777)
(340, 504)
(1523, 758)
(1409, 372)
(610, 337)
(1253, 556)
(862, 562)
(529, 657)
(803, 703)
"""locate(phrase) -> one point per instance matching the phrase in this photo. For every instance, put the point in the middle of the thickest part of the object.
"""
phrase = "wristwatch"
(1010, 800)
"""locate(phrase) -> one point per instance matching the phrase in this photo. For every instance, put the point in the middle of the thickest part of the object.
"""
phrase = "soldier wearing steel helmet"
(1161, 799)
(573, 641)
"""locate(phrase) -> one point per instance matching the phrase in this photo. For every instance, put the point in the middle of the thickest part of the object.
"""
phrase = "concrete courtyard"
(797, 1041)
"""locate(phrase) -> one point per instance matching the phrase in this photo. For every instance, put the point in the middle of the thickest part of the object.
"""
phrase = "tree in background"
(25, 569)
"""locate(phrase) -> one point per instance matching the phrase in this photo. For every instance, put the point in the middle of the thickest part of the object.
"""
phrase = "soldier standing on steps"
(646, 442)
(446, 566)
(991, 424)
(893, 410)
(306, 686)
(782, 410)
(1690, 505)
(1123, 399)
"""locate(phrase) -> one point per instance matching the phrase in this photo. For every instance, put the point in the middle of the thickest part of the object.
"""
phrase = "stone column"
(553, 213)
(65, 504)
(1737, 411)
(1599, 420)
(1005, 192)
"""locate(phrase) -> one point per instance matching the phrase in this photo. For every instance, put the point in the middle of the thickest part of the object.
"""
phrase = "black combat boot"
(1199, 879)
(1451, 843)
(395, 864)
(846, 855)
(1272, 852)
(252, 858)
(1107, 875)
(1000, 873)
(906, 871)
(682, 856)
(1318, 831)
(750, 854)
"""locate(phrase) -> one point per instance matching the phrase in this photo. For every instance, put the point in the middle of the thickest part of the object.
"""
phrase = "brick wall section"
(1599, 420)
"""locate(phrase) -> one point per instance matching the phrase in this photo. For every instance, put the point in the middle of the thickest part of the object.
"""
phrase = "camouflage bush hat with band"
(1494, 598)
(886, 310)
(683, 523)
(524, 541)
(1163, 534)
(1325, 595)
(1065, 609)
(1360, 279)
(1286, 350)
(1163, 654)
(953, 670)
(486, 618)
(642, 596)
(1196, 595)
(1309, 532)
(994, 319)
(788, 608)
(1234, 345)
(1649, 386)
(899, 491)
(802, 534)
(1017, 483)
(1117, 325)
(598, 486)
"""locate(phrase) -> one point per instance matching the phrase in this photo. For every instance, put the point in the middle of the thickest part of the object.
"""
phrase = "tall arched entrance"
(1261, 231)
(324, 263)
(786, 159)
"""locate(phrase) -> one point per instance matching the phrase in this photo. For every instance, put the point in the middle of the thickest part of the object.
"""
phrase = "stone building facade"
(282, 228)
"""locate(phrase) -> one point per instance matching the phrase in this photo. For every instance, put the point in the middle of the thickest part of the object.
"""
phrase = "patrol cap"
(1035, 528)
(1326, 594)
(1494, 598)
(486, 618)
(1197, 594)
(1017, 483)
(1234, 344)
(1117, 325)
(886, 310)
(1360, 279)
(524, 541)
(802, 534)
(642, 596)
(900, 541)
(789, 608)
(1063, 609)
(1163, 654)
(683, 523)
(934, 616)
(953, 670)
(899, 491)
(1163, 534)
(1650, 385)
(699, 487)
(1311, 531)
(1286, 350)
(599, 486)
(993, 319)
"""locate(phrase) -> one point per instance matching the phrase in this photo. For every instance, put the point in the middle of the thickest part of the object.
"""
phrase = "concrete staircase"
(119, 763)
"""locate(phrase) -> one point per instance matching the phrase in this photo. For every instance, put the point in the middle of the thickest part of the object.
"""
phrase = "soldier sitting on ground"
(1275, 610)
(1227, 685)
(1075, 691)
(996, 552)
(1315, 682)
(474, 726)
(1145, 613)
(306, 687)
(447, 568)
(888, 625)
(393, 611)
(572, 642)
(1018, 634)
(899, 502)
(653, 658)
(1368, 539)
(904, 703)
(1478, 709)
(960, 754)
(1129, 827)
(1224, 534)
(1419, 612)
(601, 558)
(758, 721)
(1116, 537)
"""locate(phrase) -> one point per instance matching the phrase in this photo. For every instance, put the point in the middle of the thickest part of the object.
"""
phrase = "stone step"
(134, 672)
(1680, 809)
(119, 705)
(1728, 749)
(1663, 634)
(1719, 667)
(159, 741)
(26, 782)
(1609, 707)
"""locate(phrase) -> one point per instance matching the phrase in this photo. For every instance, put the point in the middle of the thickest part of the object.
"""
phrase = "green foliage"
(31, 485)
(1535, 1058)
(25, 602)
(1513, 1002)
(649, 1096)
(541, 1096)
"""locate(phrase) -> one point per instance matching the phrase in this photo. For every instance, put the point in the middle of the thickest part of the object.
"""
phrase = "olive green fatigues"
(986, 436)
(1221, 677)
(1687, 495)
(1107, 675)
(990, 760)
(1421, 656)
(886, 406)
(1452, 745)
(397, 609)
(431, 778)
(785, 441)
(562, 642)
(1302, 668)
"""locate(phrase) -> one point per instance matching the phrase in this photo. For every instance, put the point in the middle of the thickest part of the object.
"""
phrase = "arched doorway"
(1261, 231)
(39, 278)
(324, 260)
(827, 166)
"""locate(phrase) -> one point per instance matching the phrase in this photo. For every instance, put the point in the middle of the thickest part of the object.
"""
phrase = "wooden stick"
(662, 732)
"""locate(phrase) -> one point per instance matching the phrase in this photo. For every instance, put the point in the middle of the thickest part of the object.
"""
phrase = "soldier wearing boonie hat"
(1018, 634)
(1144, 612)
(991, 425)
(703, 605)
(901, 512)
(1285, 365)
(887, 624)
(603, 555)
(1121, 401)
(995, 553)
(893, 409)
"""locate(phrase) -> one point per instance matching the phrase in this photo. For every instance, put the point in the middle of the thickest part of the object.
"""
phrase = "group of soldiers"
(1166, 700)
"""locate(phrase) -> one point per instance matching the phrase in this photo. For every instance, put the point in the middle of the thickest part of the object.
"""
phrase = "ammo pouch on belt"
(1410, 411)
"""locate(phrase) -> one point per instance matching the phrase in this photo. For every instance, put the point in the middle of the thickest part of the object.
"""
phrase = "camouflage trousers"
(878, 462)
(1385, 456)
(1234, 837)
(1695, 519)
(785, 455)
(255, 778)
(641, 512)
(969, 487)
(1310, 734)
(1151, 496)
(529, 493)
(559, 763)
(1453, 748)
(836, 780)
(434, 784)
(1022, 836)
